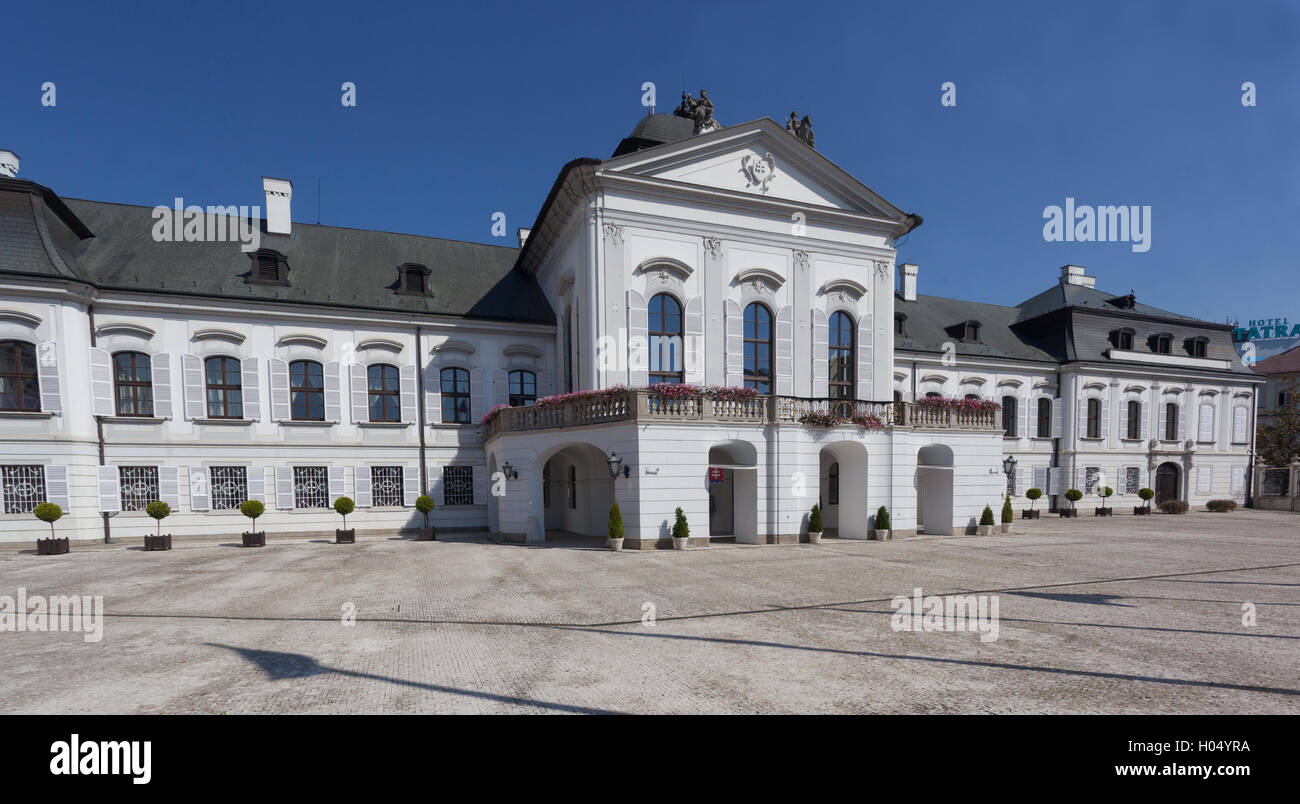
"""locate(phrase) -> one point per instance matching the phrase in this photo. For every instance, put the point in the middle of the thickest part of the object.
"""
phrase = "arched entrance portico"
(1168, 482)
(934, 496)
(576, 492)
(842, 469)
(733, 491)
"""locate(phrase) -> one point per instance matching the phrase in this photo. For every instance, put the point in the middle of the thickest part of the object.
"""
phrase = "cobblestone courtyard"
(1130, 615)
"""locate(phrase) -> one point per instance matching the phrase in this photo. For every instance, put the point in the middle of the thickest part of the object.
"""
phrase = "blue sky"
(467, 110)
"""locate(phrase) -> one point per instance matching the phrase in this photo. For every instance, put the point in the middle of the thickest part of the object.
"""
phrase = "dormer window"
(1162, 344)
(269, 268)
(1122, 339)
(1198, 347)
(900, 324)
(412, 279)
(970, 332)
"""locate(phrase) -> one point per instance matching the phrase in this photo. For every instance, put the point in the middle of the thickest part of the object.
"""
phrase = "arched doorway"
(1167, 482)
(934, 490)
(843, 490)
(733, 491)
(576, 492)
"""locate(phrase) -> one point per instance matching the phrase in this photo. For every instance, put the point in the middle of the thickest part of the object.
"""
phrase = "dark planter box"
(1103, 511)
(427, 535)
(52, 546)
(255, 539)
(1034, 514)
(345, 536)
(1141, 510)
(163, 542)
(1069, 513)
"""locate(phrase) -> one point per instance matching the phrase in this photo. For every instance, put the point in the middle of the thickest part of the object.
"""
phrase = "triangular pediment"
(760, 159)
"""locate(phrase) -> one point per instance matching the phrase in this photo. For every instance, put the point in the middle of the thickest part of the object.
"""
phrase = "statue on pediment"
(699, 110)
(800, 128)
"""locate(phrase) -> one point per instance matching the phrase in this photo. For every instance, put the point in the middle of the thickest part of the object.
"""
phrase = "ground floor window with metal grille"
(311, 487)
(386, 486)
(24, 488)
(139, 486)
(1132, 479)
(457, 485)
(229, 487)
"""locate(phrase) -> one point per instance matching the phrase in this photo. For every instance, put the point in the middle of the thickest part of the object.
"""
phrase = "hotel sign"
(1266, 329)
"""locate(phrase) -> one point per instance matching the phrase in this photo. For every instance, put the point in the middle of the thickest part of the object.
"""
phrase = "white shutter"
(284, 487)
(1238, 479)
(1162, 422)
(1058, 418)
(784, 357)
(1204, 479)
(160, 370)
(360, 393)
(56, 487)
(279, 371)
(1240, 430)
(200, 494)
(1021, 472)
(1081, 479)
(1182, 419)
(169, 486)
(257, 477)
(638, 357)
(1040, 478)
(192, 387)
(735, 362)
(866, 386)
(47, 375)
(820, 356)
(336, 487)
(1144, 431)
(362, 477)
(410, 485)
(409, 393)
(480, 479)
(544, 384)
(101, 383)
(1055, 480)
(478, 390)
(110, 489)
(1123, 419)
(432, 394)
(333, 392)
(1205, 422)
(693, 349)
(436, 484)
(1081, 421)
(251, 387)
(1103, 429)
(500, 387)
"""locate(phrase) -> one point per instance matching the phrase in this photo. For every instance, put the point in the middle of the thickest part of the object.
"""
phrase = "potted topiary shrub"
(615, 528)
(253, 509)
(1031, 495)
(881, 532)
(345, 506)
(159, 511)
(986, 522)
(815, 525)
(424, 504)
(1104, 492)
(681, 531)
(50, 512)
(1073, 495)
(1144, 510)
(1008, 516)
(1173, 507)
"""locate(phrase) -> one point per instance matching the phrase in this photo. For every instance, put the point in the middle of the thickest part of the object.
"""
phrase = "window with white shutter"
(1240, 425)
(110, 500)
(161, 364)
(101, 383)
(47, 376)
(1205, 423)
(1204, 479)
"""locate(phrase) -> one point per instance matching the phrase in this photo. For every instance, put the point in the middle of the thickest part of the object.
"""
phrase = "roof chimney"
(1073, 275)
(8, 163)
(908, 273)
(279, 192)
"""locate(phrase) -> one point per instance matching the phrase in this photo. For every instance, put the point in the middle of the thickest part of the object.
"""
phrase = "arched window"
(1009, 416)
(665, 331)
(523, 388)
(19, 388)
(1134, 420)
(758, 348)
(833, 485)
(839, 357)
(133, 384)
(385, 393)
(1205, 423)
(1044, 417)
(932, 394)
(455, 395)
(225, 392)
(972, 396)
(307, 391)
(1162, 343)
(1171, 421)
(1094, 418)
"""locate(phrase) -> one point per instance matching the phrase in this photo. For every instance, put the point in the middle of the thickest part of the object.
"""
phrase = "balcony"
(644, 407)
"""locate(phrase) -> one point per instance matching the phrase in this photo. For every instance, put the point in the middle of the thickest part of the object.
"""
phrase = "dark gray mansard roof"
(328, 265)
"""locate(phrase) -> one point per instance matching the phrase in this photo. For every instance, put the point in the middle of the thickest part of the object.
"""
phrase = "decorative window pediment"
(125, 328)
(20, 317)
(676, 268)
(303, 339)
(453, 347)
(843, 286)
(215, 334)
(383, 344)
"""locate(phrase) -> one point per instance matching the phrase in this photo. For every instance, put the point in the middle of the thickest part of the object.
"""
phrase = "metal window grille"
(386, 486)
(1091, 477)
(457, 485)
(139, 486)
(1132, 480)
(311, 487)
(24, 488)
(229, 487)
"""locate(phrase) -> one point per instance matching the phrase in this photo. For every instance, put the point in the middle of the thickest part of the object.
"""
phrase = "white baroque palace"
(333, 361)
